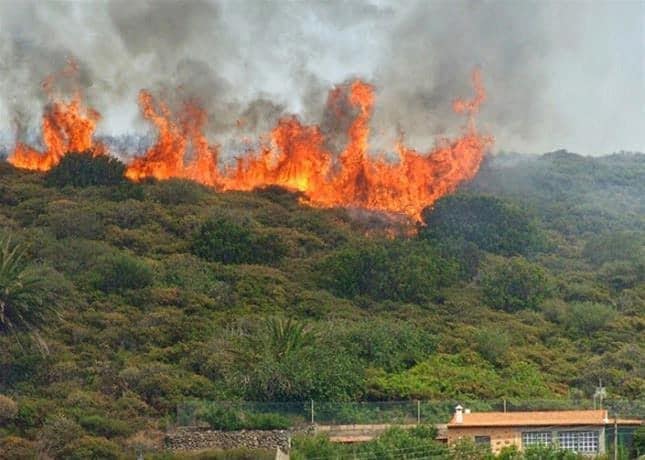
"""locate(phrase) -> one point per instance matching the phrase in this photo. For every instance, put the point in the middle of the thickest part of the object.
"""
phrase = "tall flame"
(67, 126)
(295, 156)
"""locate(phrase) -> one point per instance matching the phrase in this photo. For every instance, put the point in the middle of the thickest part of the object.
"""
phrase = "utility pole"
(312, 411)
(600, 394)
(615, 438)
(418, 412)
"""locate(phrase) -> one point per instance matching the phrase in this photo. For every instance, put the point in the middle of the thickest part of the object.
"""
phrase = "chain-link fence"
(246, 414)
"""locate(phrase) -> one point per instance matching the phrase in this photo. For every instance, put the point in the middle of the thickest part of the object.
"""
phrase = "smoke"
(558, 74)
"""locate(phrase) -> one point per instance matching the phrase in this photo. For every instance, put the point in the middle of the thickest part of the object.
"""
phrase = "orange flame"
(298, 159)
(296, 156)
(66, 127)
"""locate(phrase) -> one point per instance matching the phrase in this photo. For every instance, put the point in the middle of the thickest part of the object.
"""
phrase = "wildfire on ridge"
(66, 127)
(296, 156)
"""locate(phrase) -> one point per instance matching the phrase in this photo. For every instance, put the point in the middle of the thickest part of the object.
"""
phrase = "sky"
(559, 74)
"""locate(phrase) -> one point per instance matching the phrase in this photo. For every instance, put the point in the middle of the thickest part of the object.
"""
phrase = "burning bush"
(84, 170)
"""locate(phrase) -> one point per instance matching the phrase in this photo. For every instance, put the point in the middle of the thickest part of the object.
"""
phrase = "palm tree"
(27, 300)
(281, 337)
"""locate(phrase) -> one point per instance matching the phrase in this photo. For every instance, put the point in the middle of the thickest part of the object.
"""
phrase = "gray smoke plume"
(557, 74)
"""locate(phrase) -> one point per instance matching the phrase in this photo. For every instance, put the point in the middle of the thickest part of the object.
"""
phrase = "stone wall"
(195, 438)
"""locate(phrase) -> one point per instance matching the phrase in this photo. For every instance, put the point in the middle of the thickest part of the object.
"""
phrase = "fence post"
(312, 411)
(418, 412)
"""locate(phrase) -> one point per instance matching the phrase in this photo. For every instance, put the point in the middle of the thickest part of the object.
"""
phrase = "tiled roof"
(537, 418)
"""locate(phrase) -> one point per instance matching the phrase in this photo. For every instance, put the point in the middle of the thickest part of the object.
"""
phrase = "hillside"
(529, 283)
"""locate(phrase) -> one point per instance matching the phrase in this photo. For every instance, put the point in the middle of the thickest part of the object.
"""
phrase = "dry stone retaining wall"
(194, 438)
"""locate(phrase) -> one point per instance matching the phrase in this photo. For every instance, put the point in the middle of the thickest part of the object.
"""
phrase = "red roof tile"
(537, 418)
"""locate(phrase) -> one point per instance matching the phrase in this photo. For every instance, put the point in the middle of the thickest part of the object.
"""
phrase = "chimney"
(459, 414)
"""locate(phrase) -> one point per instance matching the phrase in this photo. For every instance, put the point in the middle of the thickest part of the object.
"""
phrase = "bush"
(266, 422)
(84, 170)
(515, 284)
(221, 240)
(639, 441)
(92, 448)
(179, 191)
(108, 427)
(123, 272)
(390, 345)
(492, 344)
(230, 419)
(8, 409)
(493, 224)
(220, 418)
(56, 433)
(409, 271)
(16, 448)
(585, 318)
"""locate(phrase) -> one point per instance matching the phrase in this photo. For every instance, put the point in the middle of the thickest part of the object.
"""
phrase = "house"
(582, 431)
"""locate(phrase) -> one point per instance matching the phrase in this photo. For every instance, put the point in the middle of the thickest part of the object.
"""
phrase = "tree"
(84, 170)
(515, 284)
(29, 296)
(493, 224)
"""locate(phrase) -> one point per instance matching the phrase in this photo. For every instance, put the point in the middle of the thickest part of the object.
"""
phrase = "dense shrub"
(84, 169)
(493, 224)
(410, 271)
(492, 344)
(395, 443)
(222, 240)
(616, 246)
(17, 448)
(178, 191)
(123, 272)
(231, 419)
(56, 433)
(92, 448)
(106, 426)
(515, 284)
(639, 441)
(8, 409)
(585, 318)
(390, 345)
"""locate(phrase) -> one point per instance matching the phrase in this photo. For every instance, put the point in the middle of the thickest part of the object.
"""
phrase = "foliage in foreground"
(167, 291)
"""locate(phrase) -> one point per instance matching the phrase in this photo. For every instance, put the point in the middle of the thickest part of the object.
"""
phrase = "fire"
(179, 138)
(67, 126)
(297, 157)
(293, 155)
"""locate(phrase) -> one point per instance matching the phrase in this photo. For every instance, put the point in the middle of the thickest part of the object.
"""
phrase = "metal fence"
(298, 414)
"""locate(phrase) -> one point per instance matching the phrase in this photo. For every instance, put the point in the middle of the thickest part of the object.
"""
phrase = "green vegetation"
(83, 170)
(418, 442)
(514, 284)
(528, 283)
(29, 295)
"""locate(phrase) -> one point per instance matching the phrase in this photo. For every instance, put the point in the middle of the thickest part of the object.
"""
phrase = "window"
(579, 441)
(532, 438)
(482, 440)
